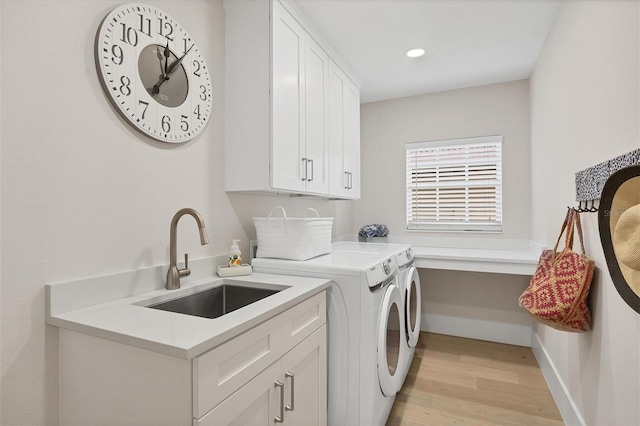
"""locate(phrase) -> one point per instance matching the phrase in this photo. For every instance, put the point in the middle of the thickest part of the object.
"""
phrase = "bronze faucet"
(174, 274)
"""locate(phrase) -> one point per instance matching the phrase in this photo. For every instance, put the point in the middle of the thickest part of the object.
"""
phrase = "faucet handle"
(185, 272)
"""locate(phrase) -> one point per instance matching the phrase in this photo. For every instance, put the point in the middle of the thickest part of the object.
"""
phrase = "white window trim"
(493, 225)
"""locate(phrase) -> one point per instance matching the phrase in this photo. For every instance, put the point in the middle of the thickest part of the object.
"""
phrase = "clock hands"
(168, 71)
(167, 53)
(175, 65)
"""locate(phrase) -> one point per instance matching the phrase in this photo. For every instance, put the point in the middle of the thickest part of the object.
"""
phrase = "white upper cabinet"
(277, 103)
(344, 135)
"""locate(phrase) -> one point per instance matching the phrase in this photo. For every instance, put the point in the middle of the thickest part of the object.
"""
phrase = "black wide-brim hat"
(619, 223)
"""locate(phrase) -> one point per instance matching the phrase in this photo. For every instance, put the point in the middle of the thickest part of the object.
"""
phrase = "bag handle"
(313, 210)
(284, 218)
(578, 226)
(567, 218)
(567, 225)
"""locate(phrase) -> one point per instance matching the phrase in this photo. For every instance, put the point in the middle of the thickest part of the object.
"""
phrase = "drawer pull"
(280, 418)
(291, 407)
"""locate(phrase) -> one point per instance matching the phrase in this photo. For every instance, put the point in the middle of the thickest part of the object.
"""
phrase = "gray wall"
(461, 303)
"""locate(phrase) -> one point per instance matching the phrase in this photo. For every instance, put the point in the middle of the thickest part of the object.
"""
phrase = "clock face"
(154, 72)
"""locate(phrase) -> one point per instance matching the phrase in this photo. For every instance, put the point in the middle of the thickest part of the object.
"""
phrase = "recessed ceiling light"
(415, 53)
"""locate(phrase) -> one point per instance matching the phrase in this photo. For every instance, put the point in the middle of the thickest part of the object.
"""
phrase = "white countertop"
(493, 255)
(518, 262)
(124, 320)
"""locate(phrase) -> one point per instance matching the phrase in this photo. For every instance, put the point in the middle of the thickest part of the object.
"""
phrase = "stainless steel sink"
(216, 301)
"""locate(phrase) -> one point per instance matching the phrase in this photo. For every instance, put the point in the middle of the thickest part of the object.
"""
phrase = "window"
(455, 185)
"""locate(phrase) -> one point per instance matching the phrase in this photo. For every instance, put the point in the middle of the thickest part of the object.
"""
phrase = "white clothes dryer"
(409, 286)
(364, 317)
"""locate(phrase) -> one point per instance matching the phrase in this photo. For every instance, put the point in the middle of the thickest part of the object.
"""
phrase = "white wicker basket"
(294, 238)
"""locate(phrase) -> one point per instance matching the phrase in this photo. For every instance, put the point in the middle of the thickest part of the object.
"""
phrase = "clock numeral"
(129, 35)
(196, 68)
(144, 25)
(197, 111)
(184, 125)
(203, 94)
(166, 123)
(124, 88)
(166, 29)
(118, 56)
(144, 111)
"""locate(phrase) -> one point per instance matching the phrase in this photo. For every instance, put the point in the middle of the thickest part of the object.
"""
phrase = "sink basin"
(216, 301)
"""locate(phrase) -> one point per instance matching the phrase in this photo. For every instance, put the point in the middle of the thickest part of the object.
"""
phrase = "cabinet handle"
(280, 418)
(348, 177)
(291, 407)
(310, 161)
(304, 167)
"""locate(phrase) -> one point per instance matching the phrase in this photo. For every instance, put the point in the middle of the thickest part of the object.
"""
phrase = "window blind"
(455, 184)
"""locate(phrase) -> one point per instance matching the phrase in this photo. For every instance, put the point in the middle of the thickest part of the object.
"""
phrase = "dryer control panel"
(405, 258)
(380, 272)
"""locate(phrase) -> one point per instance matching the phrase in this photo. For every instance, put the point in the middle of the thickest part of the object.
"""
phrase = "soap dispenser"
(235, 256)
(235, 266)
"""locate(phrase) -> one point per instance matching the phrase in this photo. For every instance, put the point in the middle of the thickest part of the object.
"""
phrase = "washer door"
(389, 340)
(413, 307)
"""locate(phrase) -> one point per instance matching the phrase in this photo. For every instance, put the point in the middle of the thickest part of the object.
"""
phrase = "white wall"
(479, 111)
(83, 194)
(584, 110)
(458, 303)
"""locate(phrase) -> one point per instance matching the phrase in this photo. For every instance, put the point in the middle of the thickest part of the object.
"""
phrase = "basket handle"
(284, 218)
(313, 210)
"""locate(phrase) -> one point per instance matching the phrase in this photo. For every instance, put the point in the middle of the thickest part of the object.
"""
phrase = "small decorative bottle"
(235, 256)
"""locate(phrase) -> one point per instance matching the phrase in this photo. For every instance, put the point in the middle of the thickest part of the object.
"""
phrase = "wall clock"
(153, 72)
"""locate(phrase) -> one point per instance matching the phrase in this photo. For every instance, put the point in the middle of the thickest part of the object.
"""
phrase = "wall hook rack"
(590, 182)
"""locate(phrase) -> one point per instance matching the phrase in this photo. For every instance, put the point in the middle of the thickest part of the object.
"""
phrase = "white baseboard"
(513, 334)
(567, 407)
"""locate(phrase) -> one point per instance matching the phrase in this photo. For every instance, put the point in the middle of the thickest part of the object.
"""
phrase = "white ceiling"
(467, 42)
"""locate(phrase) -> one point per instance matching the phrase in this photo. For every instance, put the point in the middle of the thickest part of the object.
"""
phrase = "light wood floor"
(460, 381)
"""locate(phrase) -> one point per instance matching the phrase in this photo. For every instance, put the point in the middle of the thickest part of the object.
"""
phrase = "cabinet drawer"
(224, 369)
(302, 320)
(253, 404)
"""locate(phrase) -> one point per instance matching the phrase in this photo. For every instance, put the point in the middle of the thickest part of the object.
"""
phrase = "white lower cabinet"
(275, 369)
(291, 391)
(305, 381)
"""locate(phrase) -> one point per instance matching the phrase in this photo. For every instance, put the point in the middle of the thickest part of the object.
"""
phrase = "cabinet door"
(337, 176)
(351, 145)
(256, 403)
(305, 379)
(287, 147)
(316, 120)
(344, 135)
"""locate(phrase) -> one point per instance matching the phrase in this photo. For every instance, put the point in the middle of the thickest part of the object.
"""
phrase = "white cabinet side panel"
(108, 383)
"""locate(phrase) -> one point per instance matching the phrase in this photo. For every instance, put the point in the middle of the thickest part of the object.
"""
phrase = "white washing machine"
(364, 317)
(409, 285)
